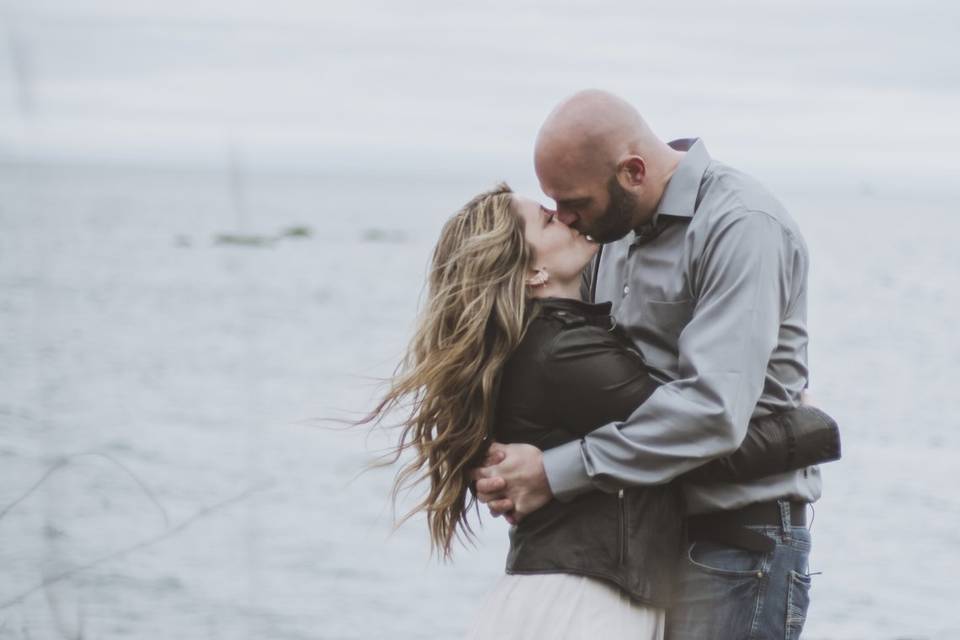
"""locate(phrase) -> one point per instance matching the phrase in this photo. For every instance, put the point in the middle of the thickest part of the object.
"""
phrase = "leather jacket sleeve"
(776, 443)
(594, 378)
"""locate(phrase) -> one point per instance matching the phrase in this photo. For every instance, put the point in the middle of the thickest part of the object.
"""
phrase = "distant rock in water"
(384, 235)
(260, 240)
(246, 240)
(297, 232)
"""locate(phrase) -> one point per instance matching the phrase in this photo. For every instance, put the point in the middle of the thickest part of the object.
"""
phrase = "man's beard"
(617, 219)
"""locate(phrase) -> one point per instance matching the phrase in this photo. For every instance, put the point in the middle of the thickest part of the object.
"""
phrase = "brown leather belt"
(729, 527)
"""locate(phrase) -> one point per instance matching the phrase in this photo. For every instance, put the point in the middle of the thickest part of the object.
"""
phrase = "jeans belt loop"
(785, 520)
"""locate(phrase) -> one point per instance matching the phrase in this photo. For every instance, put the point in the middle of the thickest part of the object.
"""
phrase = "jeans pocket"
(798, 600)
(722, 560)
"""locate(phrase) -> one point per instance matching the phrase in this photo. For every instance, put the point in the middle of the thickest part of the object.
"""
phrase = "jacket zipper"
(623, 526)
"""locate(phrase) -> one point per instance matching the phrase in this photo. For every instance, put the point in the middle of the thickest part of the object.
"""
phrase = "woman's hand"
(512, 482)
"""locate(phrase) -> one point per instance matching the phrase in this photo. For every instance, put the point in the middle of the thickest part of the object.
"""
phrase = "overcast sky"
(869, 87)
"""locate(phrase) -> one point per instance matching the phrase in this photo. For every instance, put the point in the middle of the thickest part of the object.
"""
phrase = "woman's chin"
(588, 242)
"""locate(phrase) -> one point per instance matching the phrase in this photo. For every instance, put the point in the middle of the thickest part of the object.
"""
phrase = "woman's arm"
(594, 379)
(776, 443)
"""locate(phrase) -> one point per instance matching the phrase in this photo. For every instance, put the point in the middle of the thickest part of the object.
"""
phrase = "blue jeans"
(726, 593)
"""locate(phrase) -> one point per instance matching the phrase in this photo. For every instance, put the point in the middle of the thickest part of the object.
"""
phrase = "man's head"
(602, 165)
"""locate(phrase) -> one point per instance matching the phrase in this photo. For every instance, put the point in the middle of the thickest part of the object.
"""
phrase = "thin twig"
(202, 513)
(60, 464)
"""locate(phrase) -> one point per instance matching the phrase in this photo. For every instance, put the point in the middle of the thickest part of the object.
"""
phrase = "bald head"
(591, 130)
(590, 139)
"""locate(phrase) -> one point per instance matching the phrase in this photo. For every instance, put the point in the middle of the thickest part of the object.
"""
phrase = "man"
(708, 275)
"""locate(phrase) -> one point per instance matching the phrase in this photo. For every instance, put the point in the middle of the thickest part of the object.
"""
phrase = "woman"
(507, 350)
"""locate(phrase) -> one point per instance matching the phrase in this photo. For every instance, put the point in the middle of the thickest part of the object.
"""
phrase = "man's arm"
(743, 282)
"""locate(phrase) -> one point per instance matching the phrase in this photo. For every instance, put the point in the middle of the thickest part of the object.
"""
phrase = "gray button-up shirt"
(713, 291)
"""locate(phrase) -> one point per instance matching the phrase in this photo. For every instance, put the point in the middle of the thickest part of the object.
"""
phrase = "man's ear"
(632, 171)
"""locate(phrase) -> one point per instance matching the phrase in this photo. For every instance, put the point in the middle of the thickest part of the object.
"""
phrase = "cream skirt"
(561, 606)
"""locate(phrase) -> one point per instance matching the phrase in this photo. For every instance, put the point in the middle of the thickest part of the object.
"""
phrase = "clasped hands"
(512, 481)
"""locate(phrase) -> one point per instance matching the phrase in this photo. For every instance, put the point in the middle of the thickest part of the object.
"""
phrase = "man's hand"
(512, 483)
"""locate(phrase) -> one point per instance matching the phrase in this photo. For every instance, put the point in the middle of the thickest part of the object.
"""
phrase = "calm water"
(162, 383)
(128, 331)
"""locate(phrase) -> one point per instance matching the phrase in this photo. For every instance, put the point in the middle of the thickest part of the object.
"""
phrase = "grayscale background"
(215, 218)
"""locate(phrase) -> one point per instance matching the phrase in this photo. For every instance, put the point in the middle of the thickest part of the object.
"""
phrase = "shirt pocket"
(665, 319)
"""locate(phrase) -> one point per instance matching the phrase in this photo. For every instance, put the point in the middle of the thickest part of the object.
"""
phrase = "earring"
(541, 278)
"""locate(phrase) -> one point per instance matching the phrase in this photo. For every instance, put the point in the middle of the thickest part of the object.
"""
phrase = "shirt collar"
(680, 197)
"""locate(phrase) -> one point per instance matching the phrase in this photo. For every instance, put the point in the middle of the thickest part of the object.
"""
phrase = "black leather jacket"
(572, 374)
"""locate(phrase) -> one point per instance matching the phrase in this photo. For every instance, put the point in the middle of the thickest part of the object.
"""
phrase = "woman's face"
(559, 249)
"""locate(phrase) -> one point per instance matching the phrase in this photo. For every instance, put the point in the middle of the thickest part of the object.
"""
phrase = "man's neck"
(672, 159)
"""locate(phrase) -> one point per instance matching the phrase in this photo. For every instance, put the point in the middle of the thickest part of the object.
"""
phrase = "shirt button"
(626, 289)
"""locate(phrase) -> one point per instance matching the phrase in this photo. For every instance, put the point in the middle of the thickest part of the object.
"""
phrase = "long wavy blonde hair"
(446, 386)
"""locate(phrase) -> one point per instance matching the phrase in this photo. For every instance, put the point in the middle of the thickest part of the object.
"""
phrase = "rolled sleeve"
(740, 280)
(566, 472)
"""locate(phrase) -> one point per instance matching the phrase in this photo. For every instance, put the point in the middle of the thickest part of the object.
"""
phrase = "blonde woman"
(506, 349)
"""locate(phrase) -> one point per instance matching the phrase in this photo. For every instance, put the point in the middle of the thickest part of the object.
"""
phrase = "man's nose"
(567, 217)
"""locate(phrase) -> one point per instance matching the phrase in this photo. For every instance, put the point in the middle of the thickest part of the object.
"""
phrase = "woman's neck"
(558, 290)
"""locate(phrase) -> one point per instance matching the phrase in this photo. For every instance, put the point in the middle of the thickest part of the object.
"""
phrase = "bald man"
(707, 272)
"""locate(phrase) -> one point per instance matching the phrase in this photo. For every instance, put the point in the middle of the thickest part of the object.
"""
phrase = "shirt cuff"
(566, 473)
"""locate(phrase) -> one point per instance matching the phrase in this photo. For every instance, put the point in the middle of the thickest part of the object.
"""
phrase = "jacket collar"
(594, 313)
